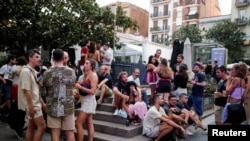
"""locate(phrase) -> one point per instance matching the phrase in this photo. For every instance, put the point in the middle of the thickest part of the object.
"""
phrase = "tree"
(229, 34)
(58, 23)
(192, 32)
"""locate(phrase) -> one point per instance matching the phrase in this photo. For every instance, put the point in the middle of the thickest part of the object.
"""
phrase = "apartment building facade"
(207, 23)
(137, 14)
(169, 15)
(241, 15)
(161, 18)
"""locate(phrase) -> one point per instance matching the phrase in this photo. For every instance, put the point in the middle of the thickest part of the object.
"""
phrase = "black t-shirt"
(120, 87)
(214, 71)
(198, 90)
(109, 83)
(208, 69)
(221, 86)
(181, 106)
(180, 81)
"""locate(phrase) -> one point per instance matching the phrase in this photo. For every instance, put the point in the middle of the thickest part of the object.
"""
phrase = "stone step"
(105, 116)
(109, 117)
(117, 129)
(108, 100)
(98, 136)
(107, 107)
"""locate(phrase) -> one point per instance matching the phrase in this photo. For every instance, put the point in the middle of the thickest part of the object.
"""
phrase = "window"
(241, 14)
(165, 12)
(155, 11)
(155, 23)
(165, 24)
(192, 11)
(154, 38)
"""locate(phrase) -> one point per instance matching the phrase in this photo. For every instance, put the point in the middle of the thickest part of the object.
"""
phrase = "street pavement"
(7, 134)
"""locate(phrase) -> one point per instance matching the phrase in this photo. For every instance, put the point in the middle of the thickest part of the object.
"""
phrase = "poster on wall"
(219, 54)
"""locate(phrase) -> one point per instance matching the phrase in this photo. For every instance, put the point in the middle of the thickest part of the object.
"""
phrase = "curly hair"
(241, 69)
(121, 74)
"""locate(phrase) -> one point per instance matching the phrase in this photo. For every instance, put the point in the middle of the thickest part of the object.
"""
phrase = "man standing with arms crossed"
(29, 99)
(58, 84)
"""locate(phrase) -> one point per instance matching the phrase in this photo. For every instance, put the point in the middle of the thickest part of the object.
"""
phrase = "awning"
(192, 11)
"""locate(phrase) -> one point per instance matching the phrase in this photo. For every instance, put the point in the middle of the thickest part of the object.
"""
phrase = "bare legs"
(152, 88)
(164, 129)
(81, 119)
(39, 125)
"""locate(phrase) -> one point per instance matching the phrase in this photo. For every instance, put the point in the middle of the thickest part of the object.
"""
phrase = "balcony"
(242, 21)
(192, 17)
(155, 2)
(160, 29)
(160, 15)
(241, 3)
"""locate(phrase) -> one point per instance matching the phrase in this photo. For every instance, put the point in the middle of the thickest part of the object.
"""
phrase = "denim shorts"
(196, 102)
(6, 90)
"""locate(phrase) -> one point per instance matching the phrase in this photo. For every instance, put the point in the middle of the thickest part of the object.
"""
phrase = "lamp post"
(164, 33)
(114, 32)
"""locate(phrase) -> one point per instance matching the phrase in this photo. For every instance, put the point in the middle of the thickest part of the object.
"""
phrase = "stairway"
(112, 128)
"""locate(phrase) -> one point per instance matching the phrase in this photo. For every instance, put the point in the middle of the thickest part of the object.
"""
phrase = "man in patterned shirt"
(58, 84)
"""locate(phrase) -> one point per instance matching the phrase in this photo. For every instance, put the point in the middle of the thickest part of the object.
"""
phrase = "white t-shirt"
(6, 71)
(16, 70)
(152, 119)
(109, 54)
(137, 80)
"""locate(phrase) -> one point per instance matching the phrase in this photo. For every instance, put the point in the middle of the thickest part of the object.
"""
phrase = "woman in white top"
(87, 87)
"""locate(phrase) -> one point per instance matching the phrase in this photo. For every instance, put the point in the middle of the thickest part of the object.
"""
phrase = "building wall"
(162, 32)
(141, 16)
(204, 9)
(209, 8)
(241, 15)
(137, 14)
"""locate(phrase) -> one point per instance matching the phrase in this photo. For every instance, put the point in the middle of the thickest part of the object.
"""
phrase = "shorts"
(108, 92)
(196, 102)
(155, 132)
(6, 90)
(164, 86)
(38, 113)
(88, 104)
(65, 123)
(218, 113)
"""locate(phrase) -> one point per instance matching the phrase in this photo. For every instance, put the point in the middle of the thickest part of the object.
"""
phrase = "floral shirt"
(58, 84)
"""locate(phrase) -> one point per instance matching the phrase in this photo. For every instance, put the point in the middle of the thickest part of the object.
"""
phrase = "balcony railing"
(241, 3)
(160, 29)
(159, 1)
(190, 17)
(242, 21)
(160, 14)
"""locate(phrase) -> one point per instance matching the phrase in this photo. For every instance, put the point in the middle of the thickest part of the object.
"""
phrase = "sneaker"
(204, 132)
(19, 134)
(189, 132)
(116, 112)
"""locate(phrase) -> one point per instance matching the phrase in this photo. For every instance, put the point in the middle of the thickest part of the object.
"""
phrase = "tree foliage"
(192, 32)
(229, 34)
(57, 23)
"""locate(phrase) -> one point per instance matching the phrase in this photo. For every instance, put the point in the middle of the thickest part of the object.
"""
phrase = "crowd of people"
(38, 97)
